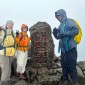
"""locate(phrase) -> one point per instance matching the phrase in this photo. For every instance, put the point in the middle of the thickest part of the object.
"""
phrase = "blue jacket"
(68, 30)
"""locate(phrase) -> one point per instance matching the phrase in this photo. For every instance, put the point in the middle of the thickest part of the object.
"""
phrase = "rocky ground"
(47, 76)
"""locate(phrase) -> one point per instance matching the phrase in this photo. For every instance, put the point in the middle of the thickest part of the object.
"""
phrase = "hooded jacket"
(68, 30)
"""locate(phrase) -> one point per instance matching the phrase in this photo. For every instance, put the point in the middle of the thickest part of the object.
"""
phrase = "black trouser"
(68, 63)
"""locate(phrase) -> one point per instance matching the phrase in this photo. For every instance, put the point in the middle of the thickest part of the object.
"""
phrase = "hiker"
(7, 50)
(68, 47)
(22, 41)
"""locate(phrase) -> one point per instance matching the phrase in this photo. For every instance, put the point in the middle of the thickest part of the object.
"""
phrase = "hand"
(17, 33)
(61, 35)
(55, 31)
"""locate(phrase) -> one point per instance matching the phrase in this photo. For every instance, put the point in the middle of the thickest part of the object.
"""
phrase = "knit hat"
(24, 26)
(10, 22)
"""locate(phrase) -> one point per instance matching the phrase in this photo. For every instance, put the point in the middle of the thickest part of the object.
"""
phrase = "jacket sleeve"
(72, 29)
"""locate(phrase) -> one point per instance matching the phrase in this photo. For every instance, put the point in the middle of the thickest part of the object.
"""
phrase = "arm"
(72, 29)
(55, 32)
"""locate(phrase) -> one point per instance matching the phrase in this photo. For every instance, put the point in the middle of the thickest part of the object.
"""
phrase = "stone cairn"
(41, 69)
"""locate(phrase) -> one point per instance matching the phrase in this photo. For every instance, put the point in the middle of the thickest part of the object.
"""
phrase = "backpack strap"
(66, 42)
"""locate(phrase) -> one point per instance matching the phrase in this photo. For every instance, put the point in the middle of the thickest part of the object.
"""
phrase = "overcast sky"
(32, 11)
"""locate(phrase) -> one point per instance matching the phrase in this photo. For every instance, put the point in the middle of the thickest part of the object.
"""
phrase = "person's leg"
(19, 61)
(22, 76)
(10, 62)
(4, 60)
(18, 67)
(24, 62)
(64, 66)
(72, 61)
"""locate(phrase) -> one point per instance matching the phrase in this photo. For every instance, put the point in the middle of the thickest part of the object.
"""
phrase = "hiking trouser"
(5, 64)
(21, 61)
(68, 63)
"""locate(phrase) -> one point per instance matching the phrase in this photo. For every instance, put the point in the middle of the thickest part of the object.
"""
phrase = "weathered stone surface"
(43, 70)
(45, 78)
(84, 72)
(81, 64)
(55, 71)
(80, 73)
(59, 70)
(42, 46)
(22, 82)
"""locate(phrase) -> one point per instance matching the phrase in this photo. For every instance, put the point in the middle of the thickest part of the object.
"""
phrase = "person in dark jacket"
(68, 47)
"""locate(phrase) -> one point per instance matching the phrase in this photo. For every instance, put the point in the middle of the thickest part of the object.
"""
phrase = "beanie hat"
(10, 22)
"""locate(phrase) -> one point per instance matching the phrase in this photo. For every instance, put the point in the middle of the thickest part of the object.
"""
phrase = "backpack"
(8, 45)
(8, 39)
(78, 37)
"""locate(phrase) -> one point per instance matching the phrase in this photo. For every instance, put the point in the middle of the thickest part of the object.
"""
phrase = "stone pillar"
(42, 46)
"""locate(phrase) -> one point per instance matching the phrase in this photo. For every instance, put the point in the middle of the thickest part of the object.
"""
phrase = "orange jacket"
(22, 41)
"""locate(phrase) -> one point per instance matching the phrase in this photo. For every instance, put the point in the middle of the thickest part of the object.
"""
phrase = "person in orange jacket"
(22, 41)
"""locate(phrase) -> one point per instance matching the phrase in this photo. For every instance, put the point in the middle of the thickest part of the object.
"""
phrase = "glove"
(61, 35)
(55, 30)
(17, 33)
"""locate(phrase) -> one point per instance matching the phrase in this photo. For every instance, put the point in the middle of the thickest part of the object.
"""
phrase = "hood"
(61, 13)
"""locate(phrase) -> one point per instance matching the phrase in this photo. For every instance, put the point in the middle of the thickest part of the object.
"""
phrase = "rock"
(29, 51)
(59, 65)
(44, 78)
(81, 76)
(80, 73)
(56, 65)
(55, 58)
(81, 64)
(53, 71)
(43, 70)
(42, 45)
(84, 72)
(59, 70)
(22, 82)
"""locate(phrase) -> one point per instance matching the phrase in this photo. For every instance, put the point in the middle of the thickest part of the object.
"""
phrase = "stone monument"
(42, 46)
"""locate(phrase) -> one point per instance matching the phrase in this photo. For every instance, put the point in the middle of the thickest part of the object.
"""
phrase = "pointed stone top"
(39, 26)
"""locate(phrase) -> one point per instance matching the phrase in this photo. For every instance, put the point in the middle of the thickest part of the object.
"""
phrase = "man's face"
(59, 18)
(9, 26)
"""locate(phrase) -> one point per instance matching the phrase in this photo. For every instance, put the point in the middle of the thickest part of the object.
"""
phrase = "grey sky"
(32, 11)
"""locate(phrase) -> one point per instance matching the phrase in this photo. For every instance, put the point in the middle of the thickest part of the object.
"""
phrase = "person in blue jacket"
(68, 47)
